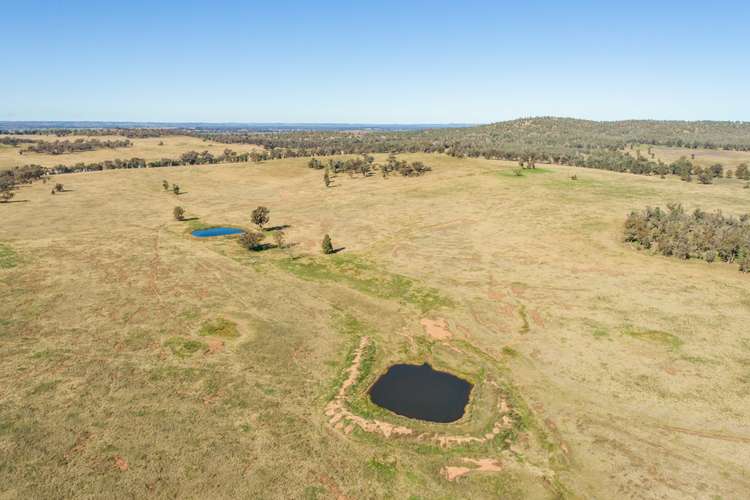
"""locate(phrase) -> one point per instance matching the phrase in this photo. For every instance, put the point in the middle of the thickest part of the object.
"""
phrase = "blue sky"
(374, 62)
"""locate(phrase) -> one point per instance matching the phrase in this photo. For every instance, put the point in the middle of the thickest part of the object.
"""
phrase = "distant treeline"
(130, 133)
(187, 158)
(563, 141)
(78, 145)
(700, 235)
(14, 141)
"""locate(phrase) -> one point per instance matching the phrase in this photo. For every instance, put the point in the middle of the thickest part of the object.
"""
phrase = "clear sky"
(373, 61)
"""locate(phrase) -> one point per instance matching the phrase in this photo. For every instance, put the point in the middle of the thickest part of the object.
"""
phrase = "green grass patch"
(655, 336)
(524, 319)
(8, 258)
(510, 352)
(183, 348)
(384, 470)
(363, 276)
(600, 332)
(525, 171)
(219, 327)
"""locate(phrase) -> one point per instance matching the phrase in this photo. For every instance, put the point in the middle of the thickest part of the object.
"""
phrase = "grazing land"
(150, 148)
(139, 361)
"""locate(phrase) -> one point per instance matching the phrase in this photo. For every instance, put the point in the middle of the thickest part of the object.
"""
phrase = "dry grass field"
(148, 149)
(138, 361)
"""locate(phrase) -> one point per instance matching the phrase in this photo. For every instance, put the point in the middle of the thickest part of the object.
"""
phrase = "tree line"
(698, 235)
(187, 158)
(76, 146)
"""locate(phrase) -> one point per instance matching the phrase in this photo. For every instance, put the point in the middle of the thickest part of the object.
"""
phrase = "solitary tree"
(179, 213)
(260, 217)
(175, 189)
(58, 187)
(326, 179)
(165, 185)
(327, 245)
(251, 240)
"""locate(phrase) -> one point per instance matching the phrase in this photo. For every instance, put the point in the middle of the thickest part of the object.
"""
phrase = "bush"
(279, 238)
(6, 195)
(327, 245)
(58, 187)
(175, 189)
(251, 240)
(179, 213)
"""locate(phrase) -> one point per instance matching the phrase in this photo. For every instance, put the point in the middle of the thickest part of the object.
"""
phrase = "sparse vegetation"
(179, 213)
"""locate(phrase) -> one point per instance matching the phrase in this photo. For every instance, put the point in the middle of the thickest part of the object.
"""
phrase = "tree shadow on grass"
(337, 250)
(186, 219)
(13, 201)
(278, 228)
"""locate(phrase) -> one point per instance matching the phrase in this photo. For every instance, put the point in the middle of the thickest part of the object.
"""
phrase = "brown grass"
(109, 388)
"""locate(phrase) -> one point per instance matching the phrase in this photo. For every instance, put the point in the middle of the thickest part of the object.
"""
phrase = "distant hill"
(548, 133)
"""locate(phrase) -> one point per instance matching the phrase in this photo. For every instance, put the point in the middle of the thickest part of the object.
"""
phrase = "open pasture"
(139, 361)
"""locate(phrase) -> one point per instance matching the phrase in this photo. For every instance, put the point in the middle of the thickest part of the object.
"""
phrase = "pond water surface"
(418, 391)
(216, 231)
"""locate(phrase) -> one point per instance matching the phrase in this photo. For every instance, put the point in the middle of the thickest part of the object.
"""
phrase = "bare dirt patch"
(436, 329)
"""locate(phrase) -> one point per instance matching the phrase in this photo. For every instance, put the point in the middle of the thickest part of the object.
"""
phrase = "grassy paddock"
(139, 361)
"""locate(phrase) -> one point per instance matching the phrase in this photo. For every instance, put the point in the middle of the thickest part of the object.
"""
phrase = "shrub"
(327, 245)
(165, 185)
(6, 195)
(278, 238)
(58, 187)
(179, 213)
(251, 240)
(742, 172)
(175, 189)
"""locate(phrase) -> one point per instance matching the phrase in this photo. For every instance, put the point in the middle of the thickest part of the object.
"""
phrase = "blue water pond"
(216, 231)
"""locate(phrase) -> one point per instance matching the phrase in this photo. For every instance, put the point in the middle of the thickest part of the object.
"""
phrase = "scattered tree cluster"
(365, 166)
(10, 179)
(701, 235)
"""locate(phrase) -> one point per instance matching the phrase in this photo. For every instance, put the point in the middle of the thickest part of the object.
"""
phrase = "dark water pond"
(420, 392)
(216, 231)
